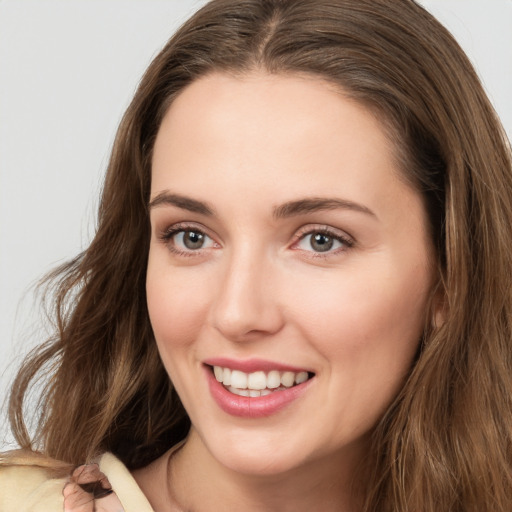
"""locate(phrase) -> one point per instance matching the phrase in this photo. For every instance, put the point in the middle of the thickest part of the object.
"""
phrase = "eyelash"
(167, 236)
(348, 242)
(343, 239)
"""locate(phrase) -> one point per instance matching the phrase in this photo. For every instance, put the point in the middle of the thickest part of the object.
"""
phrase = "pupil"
(193, 240)
(321, 242)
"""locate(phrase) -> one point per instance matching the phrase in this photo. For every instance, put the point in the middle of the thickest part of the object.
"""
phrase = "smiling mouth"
(258, 383)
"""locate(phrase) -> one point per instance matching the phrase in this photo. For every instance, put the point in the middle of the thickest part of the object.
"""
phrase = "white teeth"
(238, 379)
(257, 380)
(301, 377)
(241, 392)
(257, 383)
(219, 372)
(287, 379)
(273, 379)
(226, 377)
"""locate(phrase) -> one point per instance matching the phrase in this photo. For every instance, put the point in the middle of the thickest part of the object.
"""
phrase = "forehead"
(258, 125)
(247, 146)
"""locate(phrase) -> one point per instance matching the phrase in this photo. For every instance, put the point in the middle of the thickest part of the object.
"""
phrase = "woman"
(297, 297)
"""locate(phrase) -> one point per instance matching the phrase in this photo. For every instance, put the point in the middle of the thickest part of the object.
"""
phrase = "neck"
(199, 483)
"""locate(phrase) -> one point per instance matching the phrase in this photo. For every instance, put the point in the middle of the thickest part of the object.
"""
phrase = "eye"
(191, 239)
(183, 240)
(323, 241)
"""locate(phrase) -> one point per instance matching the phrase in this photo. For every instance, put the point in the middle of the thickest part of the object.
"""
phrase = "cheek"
(176, 309)
(367, 332)
(177, 306)
(372, 319)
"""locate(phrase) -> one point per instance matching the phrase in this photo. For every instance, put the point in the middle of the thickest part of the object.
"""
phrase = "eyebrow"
(183, 202)
(315, 204)
(288, 209)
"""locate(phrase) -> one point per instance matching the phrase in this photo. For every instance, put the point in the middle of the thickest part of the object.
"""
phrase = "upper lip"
(253, 365)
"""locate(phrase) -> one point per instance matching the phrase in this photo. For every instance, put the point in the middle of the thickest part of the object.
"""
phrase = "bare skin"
(294, 241)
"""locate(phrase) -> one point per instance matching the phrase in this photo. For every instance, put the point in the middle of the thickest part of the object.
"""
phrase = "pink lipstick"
(270, 386)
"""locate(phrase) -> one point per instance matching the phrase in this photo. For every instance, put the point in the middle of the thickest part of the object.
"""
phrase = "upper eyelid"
(322, 228)
(166, 236)
(297, 235)
(185, 226)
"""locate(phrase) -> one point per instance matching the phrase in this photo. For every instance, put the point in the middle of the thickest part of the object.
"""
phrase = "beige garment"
(28, 488)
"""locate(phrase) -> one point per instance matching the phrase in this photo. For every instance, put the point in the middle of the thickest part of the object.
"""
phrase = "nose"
(246, 304)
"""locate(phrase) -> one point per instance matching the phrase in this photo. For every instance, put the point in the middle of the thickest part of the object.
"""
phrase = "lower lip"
(253, 407)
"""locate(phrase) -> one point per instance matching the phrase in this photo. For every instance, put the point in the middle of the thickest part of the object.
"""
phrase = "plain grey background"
(68, 69)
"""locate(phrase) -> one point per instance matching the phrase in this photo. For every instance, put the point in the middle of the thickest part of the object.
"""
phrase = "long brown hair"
(446, 441)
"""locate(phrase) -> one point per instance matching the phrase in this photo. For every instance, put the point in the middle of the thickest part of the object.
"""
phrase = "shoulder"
(29, 488)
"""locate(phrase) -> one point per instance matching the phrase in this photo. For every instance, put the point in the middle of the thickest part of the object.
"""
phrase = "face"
(290, 262)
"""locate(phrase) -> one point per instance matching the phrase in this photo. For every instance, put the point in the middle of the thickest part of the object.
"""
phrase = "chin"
(263, 457)
(254, 464)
